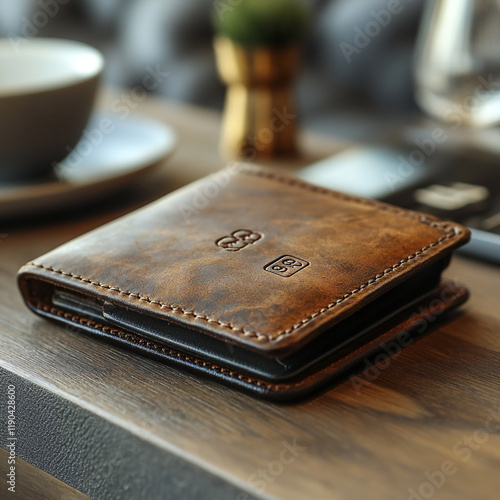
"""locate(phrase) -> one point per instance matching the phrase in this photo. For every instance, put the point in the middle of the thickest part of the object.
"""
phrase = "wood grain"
(33, 483)
(377, 442)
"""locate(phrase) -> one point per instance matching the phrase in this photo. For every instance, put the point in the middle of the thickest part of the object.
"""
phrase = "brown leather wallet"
(256, 279)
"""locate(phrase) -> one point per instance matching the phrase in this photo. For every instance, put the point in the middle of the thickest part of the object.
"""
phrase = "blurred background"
(336, 81)
(364, 66)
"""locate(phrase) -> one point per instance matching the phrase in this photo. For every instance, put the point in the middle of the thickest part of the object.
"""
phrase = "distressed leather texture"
(249, 256)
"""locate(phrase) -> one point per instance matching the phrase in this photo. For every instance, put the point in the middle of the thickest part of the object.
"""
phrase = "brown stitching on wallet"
(248, 333)
(249, 169)
(163, 350)
(450, 232)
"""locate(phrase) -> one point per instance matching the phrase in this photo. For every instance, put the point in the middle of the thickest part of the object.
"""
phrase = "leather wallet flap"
(250, 256)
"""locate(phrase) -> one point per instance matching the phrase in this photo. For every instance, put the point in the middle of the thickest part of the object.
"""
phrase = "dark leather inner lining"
(276, 369)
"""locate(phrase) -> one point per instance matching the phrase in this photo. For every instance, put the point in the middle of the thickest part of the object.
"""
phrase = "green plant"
(261, 22)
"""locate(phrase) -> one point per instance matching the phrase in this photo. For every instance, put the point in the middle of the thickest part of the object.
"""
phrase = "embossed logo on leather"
(287, 266)
(238, 239)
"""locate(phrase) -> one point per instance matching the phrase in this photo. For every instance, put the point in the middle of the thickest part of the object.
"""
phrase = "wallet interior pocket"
(277, 368)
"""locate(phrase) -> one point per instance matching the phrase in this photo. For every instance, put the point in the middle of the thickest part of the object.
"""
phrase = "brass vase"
(259, 118)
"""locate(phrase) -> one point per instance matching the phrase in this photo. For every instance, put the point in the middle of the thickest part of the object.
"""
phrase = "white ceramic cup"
(47, 91)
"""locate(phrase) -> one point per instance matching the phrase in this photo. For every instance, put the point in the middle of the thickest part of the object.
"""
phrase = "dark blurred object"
(455, 180)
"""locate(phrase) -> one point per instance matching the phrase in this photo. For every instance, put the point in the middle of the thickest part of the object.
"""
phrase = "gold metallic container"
(260, 118)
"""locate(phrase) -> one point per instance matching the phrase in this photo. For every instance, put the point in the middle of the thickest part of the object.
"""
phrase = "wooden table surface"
(426, 424)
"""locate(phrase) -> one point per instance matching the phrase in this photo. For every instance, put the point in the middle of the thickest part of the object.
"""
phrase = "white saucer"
(112, 153)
